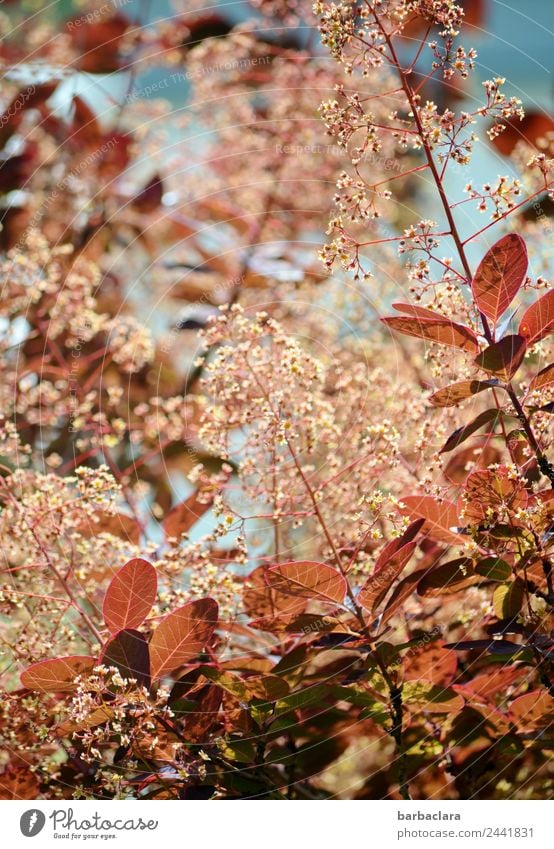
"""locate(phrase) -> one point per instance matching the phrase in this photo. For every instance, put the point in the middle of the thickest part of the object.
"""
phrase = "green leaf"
(508, 598)
(494, 569)
(431, 697)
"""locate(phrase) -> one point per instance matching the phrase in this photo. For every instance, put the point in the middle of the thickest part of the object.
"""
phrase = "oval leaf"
(183, 516)
(380, 582)
(499, 276)
(503, 358)
(307, 579)
(116, 524)
(130, 595)
(419, 312)
(426, 696)
(544, 378)
(538, 321)
(128, 651)
(494, 569)
(462, 433)
(392, 547)
(57, 675)
(388, 565)
(508, 598)
(401, 592)
(448, 578)
(440, 517)
(261, 600)
(456, 392)
(432, 662)
(533, 710)
(182, 635)
(439, 330)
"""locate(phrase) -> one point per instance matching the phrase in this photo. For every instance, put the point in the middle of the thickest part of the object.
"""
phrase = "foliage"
(258, 543)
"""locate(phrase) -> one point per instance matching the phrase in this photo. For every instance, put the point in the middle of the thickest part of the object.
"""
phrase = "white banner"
(316, 825)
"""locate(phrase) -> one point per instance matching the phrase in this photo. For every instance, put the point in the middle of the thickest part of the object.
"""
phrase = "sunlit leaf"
(533, 710)
(538, 320)
(508, 598)
(441, 517)
(432, 698)
(388, 567)
(544, 378)
(57, 675)
(130, 595)
(494, 569)
(488, 492)
(261, 600)
(417, 311)
(98, 716)
(183, 516)
(182, 635)
(456, 392)
(117, 524)
(265, 687)
(307, 579)
(430, 662)
(499, 276)
(439, 330)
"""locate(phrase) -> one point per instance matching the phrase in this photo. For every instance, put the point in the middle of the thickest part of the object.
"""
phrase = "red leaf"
(398, 543)
(487, 493)
(440, 517)
(533, 710)
(448, 578)
(307, 579)
(183, 516)
(97, 43)
(18, 782)
(544, 378)
(538, 320)
(534, 126)
(378, 584)
(500, 275)
(130, 595)
(456, 392)
(57, 675)
(401, 592)
(479, 455)
(503, 358)
(260, 599)
(418, 312)
(116, 524)
(388, 566)
(431, 662)
(150, 197)
(462, 433)
(128, 651)
(182, 635)
(439, 330)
